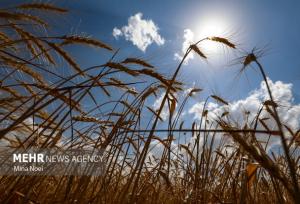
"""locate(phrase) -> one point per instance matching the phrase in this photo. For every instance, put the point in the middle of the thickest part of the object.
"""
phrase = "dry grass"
(209, 170)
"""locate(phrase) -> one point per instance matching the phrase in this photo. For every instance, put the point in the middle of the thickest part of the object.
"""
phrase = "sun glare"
(211, 28)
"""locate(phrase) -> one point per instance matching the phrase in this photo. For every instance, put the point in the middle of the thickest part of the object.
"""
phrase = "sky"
(272, 26)
(160, 31)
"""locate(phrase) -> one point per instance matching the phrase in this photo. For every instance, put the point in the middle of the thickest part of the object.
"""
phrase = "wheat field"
(42, 106)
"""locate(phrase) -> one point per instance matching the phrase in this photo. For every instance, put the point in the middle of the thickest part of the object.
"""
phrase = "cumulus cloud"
(22, 135)
(282, 94)
(140, 32)
(289, 112)
(165, 111)
(164, 114)
(117, 32)
(188, 39)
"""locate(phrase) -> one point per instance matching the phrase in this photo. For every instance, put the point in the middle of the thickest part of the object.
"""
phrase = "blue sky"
(270, 24)
(274, 24)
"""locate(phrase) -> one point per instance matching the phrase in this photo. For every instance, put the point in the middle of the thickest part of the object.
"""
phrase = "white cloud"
(24, 135)
(289, 112)
(282, 94)
(165, 111)
(117, 32)
(188, 37)
(140, 32)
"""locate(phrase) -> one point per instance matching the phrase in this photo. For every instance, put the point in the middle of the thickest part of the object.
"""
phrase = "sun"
(211, 27)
